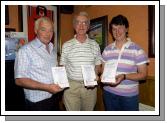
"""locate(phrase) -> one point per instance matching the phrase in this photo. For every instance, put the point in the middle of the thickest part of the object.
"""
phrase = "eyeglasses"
(85, 23)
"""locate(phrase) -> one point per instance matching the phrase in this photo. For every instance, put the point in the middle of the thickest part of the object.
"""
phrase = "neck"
(120, 43)
(81, 38)
(47, 48)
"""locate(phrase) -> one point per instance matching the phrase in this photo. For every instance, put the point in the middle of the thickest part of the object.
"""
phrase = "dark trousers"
(50, 104)
(114, 102)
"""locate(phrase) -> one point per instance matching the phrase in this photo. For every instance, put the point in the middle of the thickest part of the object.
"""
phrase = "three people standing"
(34, 62)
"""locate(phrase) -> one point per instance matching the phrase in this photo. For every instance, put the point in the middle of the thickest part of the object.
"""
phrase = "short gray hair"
(42, 19)
(83, 13)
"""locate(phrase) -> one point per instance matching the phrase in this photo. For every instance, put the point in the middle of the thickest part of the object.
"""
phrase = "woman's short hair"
(119, 20)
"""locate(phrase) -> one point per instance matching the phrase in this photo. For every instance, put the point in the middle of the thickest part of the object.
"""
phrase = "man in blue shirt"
(33, 68)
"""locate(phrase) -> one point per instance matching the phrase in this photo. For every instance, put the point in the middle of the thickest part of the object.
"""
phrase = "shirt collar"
(37, 43)
(127, 44)
(78, 41)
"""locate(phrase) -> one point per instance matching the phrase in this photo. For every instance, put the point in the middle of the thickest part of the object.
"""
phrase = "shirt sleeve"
(63, 56)
(22, 64)
(98, 58)
(104, 55)
(141, 57)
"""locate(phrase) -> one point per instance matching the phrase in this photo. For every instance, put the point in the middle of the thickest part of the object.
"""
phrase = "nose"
(81, 26)
(117, 30)
(48, 32)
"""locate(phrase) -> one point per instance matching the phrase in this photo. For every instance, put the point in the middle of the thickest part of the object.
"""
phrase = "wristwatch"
(124, 76)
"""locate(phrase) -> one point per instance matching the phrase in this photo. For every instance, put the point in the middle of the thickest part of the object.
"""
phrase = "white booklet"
(109, 73)
(89, 75)
(60, 76)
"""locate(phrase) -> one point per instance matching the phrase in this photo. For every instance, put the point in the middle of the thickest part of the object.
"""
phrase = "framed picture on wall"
(99, 30)
(13, 41)
(6, 15)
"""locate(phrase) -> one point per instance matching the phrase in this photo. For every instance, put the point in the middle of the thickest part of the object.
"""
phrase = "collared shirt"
(34, 62)
(75, 54)
(131, 57)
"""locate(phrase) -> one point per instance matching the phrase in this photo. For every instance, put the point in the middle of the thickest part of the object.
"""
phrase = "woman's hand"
(119, 79)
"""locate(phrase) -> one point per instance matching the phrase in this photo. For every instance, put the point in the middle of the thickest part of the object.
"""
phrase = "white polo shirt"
(75, 54)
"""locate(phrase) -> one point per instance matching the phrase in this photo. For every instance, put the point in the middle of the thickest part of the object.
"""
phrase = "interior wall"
(137, 16)
(13, 17)
(66, 27)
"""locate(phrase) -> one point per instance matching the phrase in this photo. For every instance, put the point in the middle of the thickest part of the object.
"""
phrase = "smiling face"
(81, 25)
(119, 32)
(118, 28)
(44, 31)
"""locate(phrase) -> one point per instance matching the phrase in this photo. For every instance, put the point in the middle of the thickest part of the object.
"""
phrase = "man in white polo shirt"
(76, 52)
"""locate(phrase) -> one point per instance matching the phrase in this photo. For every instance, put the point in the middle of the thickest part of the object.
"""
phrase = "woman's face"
(119, 32)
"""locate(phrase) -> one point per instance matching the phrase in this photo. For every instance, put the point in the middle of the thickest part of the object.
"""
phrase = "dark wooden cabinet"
(147, 91)
(14, 95)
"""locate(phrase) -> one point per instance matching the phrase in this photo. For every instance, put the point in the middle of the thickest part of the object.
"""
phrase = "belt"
(127, 86)
(79, 81)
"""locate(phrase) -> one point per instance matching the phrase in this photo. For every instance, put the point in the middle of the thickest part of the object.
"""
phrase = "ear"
(88, 27)
(35, 31)
(127, 29)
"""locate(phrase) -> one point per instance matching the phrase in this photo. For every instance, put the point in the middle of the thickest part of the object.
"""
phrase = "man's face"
(81, 25)
(45, 32)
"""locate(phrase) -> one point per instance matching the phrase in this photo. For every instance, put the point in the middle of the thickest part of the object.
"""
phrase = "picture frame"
(99, 31)
(151, 31)
(6, 15)
(13, 41)
(10, 30)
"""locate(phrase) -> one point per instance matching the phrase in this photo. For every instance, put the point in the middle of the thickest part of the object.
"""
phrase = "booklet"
(109, 73)
(89, 75)
(60, 76)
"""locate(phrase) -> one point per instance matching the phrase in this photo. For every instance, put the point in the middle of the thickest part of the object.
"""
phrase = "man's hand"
(54, 88)
(97, 78)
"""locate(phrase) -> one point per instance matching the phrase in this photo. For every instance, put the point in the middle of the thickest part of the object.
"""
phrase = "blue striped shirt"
(34, 62)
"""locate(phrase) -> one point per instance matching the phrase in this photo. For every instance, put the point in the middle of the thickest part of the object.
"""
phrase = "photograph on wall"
(13, 41)
(98, 31)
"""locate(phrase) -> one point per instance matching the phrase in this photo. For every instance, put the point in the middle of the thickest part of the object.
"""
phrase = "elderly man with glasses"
(76, 52)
